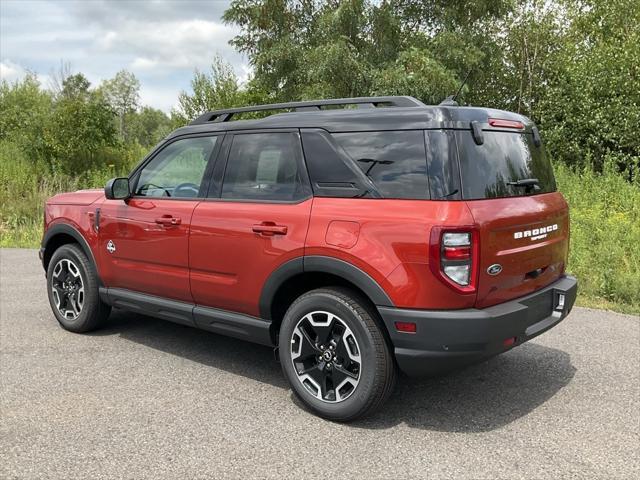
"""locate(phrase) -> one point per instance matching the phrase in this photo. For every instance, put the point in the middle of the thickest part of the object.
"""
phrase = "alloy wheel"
(326, 356)
(67, 289)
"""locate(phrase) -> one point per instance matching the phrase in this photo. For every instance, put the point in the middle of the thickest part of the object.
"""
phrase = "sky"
(161, 41)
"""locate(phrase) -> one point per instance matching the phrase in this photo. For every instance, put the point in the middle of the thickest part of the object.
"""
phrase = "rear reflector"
(500, 123)
(406, 327)
(509, 342)
(457, 253)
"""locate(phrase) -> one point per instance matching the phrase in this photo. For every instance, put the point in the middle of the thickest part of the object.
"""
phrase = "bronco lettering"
(536, 233)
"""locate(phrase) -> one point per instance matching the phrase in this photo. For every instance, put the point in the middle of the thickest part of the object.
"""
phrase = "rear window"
(493, 169)
(395, 161)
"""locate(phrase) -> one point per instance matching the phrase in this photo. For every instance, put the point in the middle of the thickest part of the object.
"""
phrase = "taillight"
(501, 123)
(453, 256)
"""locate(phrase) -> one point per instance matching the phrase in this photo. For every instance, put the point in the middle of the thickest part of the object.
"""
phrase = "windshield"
(507, 164)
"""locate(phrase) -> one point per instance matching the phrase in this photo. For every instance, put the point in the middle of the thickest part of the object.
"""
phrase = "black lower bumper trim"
(447, 339)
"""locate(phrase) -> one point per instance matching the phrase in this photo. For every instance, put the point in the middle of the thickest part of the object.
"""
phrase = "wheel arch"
(64, 234)
(302, 274)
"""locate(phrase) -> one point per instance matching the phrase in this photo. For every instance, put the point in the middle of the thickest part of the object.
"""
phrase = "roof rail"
(311, 105)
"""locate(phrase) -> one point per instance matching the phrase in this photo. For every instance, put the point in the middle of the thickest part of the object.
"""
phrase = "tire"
(337, 323)
(72, 288)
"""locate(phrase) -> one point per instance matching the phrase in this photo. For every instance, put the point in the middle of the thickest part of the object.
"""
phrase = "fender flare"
(65, 228)
(319, 263)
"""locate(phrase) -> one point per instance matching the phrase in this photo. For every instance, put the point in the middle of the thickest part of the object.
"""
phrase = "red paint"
(498, 220)
(393, 245)
(151, 236)
(230, 261)
(342, 234)
(220, 253)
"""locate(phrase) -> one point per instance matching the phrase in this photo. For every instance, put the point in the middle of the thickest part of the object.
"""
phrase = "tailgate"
(527, 237)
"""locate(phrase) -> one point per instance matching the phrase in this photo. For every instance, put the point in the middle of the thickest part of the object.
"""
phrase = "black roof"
(373, 113)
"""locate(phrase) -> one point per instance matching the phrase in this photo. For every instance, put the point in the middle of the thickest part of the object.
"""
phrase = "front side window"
(395, 161)
(177, 171)
(264, 166)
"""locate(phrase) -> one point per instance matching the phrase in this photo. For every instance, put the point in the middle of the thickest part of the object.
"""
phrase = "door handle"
(269, 229)
(168, 221)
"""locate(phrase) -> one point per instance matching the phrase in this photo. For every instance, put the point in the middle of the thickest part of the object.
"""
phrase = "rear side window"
(442, 162)
(394, 160)
(331, 174)
(502, 165)
(265, 166)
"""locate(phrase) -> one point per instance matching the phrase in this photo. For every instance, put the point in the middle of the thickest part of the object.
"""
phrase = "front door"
(251, 224)
(144, 240)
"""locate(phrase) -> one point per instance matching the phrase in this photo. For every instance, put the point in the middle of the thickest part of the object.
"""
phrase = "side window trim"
(134, 177)
(217, 180)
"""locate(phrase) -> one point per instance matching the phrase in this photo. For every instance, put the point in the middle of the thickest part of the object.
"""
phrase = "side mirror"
(117, 189)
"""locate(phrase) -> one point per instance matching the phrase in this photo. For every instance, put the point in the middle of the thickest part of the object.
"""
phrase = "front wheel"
(334, 354)
(72, 287)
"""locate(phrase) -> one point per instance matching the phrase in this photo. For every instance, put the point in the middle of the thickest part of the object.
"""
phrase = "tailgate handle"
(535, 273)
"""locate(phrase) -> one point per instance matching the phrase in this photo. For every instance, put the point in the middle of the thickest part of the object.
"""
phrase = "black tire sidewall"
(361, 397)
(91, 299)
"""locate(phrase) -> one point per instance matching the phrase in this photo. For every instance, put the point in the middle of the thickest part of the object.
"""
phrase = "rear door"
(510, 190)
(144, 239)
(255, 219)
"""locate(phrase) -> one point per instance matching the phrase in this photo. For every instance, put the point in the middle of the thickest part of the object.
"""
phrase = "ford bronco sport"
(386, 236)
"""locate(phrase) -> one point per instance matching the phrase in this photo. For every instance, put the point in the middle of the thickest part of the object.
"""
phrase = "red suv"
(360, 241)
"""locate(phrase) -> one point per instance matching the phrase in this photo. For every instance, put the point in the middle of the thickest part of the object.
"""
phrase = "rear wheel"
(72, 287)
(334, 354)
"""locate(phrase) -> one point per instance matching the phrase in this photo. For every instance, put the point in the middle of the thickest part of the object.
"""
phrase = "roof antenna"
(450, 101)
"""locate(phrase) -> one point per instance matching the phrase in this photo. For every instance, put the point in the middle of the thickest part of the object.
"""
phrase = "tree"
(77, 131)
(214, 90)
(148, 126)
(570, 65)
(591, 108)
(339, 48)
(24, 110)
(75, 87)
(122, 93)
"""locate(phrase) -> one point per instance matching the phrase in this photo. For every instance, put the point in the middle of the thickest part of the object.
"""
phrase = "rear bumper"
(447, 339)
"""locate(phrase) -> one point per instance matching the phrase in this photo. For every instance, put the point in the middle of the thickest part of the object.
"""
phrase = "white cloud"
(141, 63)
(10, 71)
(161, 41)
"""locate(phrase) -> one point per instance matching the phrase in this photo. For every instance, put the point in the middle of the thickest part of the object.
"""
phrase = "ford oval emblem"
(494, 269)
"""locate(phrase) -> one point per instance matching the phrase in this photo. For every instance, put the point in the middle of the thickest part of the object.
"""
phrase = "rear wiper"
(525, 182)
(528, 184)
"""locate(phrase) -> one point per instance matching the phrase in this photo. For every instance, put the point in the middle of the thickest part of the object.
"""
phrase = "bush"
(605, 235)
(25, 186)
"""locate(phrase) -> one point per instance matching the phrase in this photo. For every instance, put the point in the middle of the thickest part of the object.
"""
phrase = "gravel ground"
(143, 398)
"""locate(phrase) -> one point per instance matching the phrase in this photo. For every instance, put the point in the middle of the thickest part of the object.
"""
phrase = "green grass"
(605, 222)
(605, 238)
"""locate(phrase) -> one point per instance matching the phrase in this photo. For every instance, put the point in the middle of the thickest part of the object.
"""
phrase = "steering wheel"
(186, 189)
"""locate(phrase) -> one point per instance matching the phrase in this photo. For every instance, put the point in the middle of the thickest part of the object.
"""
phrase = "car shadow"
(479, 398)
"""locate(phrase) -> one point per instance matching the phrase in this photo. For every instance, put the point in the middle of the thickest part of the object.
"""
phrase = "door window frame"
(134, 176)
(214, 193)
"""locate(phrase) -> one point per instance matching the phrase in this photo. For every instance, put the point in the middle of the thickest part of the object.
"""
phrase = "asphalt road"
(144, 398)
